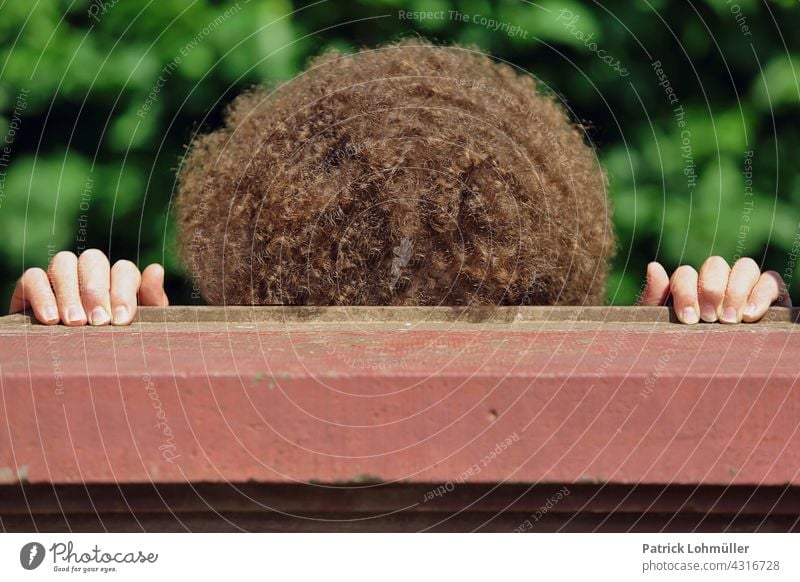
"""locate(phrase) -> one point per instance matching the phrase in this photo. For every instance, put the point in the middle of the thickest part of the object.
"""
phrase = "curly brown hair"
(411, 174)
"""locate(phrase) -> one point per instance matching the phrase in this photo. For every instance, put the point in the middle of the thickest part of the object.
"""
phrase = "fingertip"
(708, 313)
(74, 316)
(747, 263)
(715, 262)
(730, 316)
(655, 270)
(123, 315)
(657, 286)
(99, 316)
(155, 270)
(47, 315)
(152, 289)
(684, 272)
(688, 315)
(751, 313)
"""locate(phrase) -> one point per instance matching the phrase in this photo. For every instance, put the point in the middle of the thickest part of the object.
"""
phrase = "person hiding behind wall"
(409, 174)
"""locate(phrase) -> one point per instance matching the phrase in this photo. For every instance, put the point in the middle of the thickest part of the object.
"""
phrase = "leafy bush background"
(82, 80)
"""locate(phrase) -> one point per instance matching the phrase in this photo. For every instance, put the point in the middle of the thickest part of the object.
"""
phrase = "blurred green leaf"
(41, 206)
(779, 84)
(85, 82)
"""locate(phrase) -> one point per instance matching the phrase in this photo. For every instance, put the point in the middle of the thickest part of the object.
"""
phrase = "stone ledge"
(385, 399)
(375, 314)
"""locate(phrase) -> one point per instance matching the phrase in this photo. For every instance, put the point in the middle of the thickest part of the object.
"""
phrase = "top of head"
(409, 174)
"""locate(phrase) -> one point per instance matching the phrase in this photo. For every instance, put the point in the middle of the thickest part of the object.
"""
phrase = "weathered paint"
(278, 396)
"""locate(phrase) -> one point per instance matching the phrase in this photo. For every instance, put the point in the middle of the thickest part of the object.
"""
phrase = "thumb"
(656, 288)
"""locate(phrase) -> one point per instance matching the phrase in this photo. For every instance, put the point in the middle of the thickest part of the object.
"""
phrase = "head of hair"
(409, 174)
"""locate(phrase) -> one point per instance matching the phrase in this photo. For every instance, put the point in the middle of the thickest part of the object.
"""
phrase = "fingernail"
(74, 314)
(50, 314)
(709, 313)
(750, 310)
(99, 316)
(729, 315)
(120, 314)
(690, 315)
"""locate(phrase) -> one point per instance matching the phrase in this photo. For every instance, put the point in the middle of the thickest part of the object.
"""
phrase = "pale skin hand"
(87, 289)
(718, 292)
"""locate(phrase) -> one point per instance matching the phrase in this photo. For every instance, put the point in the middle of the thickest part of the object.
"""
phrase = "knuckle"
(64, 257)
(125, 265)
(746, 263)
(34, 274)
(93, 255)
(775, 276)
(715, 261)
(684, 271)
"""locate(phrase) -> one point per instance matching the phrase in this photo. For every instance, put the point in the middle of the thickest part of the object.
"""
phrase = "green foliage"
(98, 100)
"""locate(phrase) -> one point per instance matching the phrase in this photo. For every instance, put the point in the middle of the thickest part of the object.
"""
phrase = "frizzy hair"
(410, 174)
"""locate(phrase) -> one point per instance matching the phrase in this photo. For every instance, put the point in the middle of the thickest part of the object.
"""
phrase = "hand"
(77, 290)
(718, 292)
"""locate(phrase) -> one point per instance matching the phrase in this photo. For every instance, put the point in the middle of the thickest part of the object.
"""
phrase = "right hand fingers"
(743, 278)
(151, 291)
(769, 290)
(684, 294)
(657, 285)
